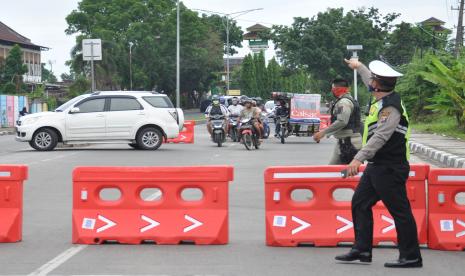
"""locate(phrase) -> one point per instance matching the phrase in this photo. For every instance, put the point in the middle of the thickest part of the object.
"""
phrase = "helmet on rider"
(222, 100)
(215, 100)
(247, 102)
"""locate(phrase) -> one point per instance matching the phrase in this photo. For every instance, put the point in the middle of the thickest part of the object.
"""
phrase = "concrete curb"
(445, 158)
(6, 132)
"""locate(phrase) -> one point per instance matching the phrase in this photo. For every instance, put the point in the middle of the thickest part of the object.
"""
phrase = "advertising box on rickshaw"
(303, 119)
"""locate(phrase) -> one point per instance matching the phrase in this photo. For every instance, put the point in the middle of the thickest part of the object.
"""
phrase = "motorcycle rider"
(216, 108)
(251, 112)
(235, 108)
(281, 110)
(259, 119)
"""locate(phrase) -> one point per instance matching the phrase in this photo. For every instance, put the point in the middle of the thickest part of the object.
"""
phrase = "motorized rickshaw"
(303, 119)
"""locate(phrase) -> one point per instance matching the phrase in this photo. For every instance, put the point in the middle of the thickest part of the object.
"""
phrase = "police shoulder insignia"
(384, 115)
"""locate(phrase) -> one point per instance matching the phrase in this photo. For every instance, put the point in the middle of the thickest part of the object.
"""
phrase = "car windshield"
(69, 103)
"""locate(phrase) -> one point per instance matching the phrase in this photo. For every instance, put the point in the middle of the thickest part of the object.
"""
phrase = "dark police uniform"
(385, 178)
(386, 150)
(345, 126)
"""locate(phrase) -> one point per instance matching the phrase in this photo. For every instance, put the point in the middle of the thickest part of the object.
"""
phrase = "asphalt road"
(46, 246)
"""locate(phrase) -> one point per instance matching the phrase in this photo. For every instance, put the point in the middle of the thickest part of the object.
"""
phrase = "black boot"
(404, 263)
(354, 255)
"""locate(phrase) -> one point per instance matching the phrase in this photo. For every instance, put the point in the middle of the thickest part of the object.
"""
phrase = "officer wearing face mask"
(385, 147)
(345, 124)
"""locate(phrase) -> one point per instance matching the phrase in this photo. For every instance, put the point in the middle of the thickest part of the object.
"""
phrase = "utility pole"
(130, 65)
(227, 56)
(178, 102)
(459, 37)
(228, 17)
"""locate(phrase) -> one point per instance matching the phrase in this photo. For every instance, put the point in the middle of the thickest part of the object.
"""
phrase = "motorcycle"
(218, 134)
(283, 130)
(233, 128)
(266, 125)
(248, 134)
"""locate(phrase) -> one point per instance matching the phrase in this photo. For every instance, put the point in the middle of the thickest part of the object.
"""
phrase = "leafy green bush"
(417, 93)
(450, 80)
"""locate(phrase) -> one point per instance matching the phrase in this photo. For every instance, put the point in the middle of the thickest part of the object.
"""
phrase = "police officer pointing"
(345, 124)
(385, 148)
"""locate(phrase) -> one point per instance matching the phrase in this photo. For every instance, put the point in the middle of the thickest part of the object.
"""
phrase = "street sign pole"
(92, 51)
(354, 49)
(354, 55)
(92, 66)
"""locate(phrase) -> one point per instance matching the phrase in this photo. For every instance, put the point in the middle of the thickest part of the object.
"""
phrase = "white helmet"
(381, 69)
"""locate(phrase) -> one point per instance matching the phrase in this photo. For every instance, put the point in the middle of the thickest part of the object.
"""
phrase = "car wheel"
(149, 138)
(44, 140)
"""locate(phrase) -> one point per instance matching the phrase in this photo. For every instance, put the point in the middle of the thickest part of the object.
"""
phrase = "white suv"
(141, 119)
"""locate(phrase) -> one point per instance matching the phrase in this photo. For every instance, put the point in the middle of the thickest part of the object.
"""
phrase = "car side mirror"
(74, 110)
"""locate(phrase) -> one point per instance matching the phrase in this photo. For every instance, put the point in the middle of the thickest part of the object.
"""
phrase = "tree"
(417, 93)
(13, 70)
(67, 77)
(80, 86)
(218, 24)
(318, 45)
(449, 79)
(150, 25)
(260, 75)
(47, 75)
(274, 76)
(248, 80)
(407, 39)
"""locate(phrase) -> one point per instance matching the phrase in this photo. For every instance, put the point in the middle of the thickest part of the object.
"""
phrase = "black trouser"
(385, 183)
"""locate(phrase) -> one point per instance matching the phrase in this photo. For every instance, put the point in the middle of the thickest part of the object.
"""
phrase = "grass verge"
(439, 124)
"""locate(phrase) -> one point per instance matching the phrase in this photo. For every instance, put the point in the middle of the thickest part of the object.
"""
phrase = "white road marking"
(70, 252)
(58, 260)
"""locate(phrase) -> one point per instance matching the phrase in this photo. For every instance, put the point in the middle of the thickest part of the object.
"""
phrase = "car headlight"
(29, 121)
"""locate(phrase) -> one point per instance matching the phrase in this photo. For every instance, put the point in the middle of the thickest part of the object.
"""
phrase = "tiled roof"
(257, 27)
(8, 34)
(433, 20)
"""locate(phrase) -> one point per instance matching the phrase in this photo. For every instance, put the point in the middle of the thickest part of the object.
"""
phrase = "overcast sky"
(45, 23)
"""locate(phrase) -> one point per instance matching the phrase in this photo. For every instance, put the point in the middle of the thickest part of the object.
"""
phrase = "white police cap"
(381, 69)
